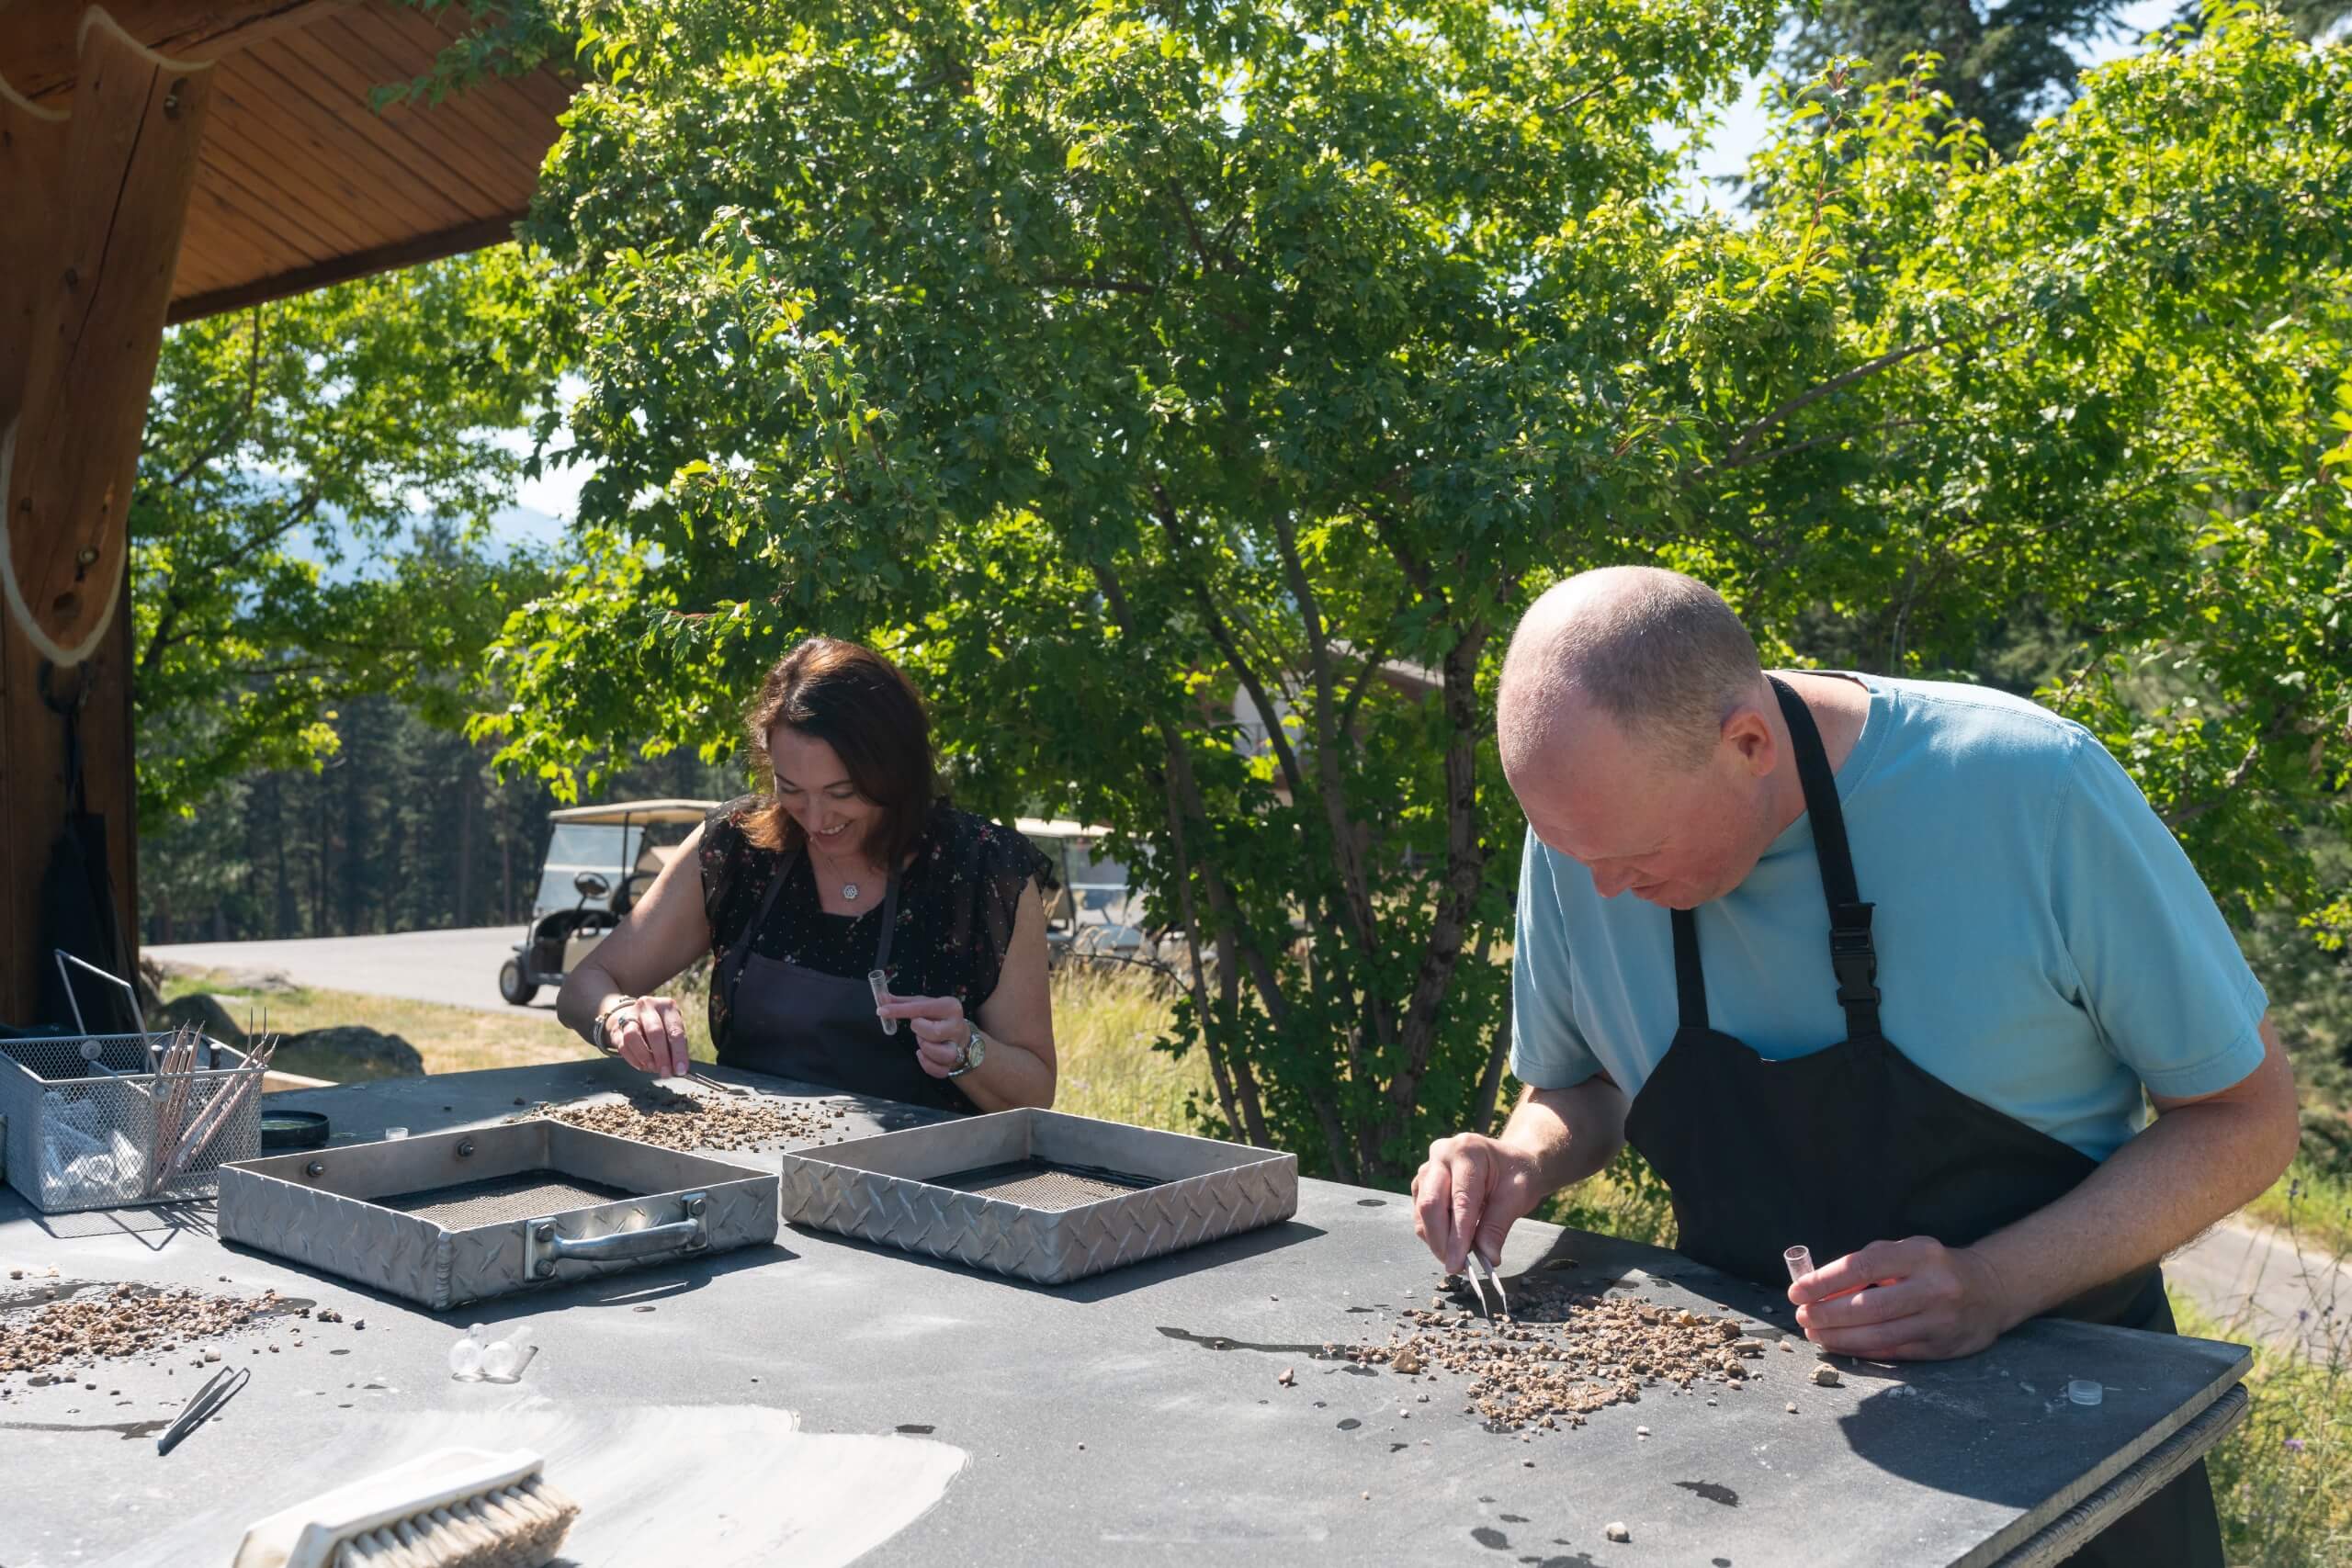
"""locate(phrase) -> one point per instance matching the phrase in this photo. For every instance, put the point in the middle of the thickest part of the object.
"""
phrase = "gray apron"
(792, 1022)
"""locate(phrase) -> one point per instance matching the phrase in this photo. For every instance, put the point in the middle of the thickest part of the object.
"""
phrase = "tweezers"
(218, 1389)
(1470, 1269)
(709, 1082)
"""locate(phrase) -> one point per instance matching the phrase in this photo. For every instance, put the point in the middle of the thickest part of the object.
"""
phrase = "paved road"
(457, 967)
(2251, 1277)
(2241, 1273)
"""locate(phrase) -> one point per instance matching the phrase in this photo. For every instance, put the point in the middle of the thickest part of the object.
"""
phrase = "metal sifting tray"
(1037, 1194)
(454, 1217)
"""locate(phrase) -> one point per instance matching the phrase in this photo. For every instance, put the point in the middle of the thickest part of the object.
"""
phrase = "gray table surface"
(826, 1400)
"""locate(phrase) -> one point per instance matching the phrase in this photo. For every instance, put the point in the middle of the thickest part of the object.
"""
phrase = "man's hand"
(1472, 1190)
(1905, 1300)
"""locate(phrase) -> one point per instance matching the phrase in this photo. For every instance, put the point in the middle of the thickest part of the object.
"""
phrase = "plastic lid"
(2085, 1391)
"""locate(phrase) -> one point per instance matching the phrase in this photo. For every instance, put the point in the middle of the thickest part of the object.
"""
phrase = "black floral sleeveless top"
(956, 904)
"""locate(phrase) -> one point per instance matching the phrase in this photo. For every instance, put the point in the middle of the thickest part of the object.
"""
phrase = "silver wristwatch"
(975, 1051)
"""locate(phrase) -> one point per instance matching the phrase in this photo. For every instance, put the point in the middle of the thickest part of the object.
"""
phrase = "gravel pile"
(125, 1320)
(1563, 1355)
(669, 1120)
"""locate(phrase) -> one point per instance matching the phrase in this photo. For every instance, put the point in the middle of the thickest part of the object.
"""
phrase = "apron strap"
(1690, 979)
(890, 924)
(1852, 956)
(723, 984)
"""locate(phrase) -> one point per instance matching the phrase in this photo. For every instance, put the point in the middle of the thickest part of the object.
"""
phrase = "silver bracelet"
(596, 1030)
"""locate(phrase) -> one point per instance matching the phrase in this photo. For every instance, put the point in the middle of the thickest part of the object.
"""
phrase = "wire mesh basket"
(104, 1121)
(86, 1119)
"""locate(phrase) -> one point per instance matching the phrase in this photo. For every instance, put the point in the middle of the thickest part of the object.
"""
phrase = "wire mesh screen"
(523, 1196)
(87, 1131)
(1036, 1184)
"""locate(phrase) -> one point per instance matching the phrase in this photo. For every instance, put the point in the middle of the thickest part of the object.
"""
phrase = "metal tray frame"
(879, 1190)
(317, 1208)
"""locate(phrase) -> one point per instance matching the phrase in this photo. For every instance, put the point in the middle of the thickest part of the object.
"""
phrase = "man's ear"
(1751, 741)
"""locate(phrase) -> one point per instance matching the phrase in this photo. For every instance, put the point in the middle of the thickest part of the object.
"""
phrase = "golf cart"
(1094, 911)
(600, 860)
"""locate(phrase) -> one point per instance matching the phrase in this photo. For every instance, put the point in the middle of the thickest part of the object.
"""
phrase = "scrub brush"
(450, 1509)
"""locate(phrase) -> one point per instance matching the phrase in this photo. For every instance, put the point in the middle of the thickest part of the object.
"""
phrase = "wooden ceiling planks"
(302, 182)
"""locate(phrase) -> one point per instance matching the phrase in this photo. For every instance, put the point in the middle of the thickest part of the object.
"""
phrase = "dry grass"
(1104, 1021)
(2283, 1480)
(450, 1039)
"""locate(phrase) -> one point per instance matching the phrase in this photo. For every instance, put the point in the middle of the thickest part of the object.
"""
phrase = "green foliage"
(2103, 382)
(1103, 367)
(313, 483)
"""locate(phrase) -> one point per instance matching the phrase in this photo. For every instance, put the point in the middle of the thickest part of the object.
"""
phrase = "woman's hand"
(649, 1034)
(939, 1029)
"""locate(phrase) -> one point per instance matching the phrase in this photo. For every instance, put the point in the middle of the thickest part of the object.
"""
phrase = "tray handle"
(543, 1248)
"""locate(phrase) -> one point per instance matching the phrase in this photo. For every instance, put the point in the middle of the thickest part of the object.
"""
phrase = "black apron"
(792, 1022)
(1859, 1144)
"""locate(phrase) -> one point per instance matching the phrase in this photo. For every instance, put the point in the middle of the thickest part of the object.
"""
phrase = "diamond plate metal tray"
(456, 1217)
(1037, 1194)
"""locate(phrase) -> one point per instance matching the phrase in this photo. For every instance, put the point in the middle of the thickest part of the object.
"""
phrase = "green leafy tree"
(2103, 382)
(1110, 371)
(314, 483)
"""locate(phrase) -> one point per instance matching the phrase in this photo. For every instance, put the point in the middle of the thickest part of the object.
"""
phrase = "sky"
(543, 506)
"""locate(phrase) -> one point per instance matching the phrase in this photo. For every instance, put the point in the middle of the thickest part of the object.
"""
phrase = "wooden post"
(97, 200)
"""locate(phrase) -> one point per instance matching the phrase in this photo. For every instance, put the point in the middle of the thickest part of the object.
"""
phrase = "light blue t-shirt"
(2043, 944)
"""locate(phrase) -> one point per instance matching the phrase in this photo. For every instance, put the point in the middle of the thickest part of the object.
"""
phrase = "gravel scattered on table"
(124, 1320)
(1564, 1354)
(669, 1120)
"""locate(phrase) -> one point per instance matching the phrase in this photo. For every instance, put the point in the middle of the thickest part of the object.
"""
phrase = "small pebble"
(1616, 1531)
(1367, 1496)
(1826, 1376)
(1082, 1448)
(1791, 1408)
(1788, 1347)
(1287, 1378)
(1641, 1431)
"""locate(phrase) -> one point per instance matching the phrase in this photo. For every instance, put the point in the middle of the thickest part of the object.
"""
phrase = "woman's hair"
(855, 701)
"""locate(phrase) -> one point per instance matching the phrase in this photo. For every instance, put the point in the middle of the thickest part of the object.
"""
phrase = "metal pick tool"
(1474, 1262)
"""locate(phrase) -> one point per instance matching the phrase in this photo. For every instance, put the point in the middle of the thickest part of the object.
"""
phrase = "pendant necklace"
(850, 890)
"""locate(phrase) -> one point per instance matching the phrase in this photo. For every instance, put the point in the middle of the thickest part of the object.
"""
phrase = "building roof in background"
(302, 181)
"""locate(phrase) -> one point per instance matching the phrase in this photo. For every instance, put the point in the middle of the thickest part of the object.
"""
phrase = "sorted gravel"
(1564, 1354)
(125, 1320)
(669, 1120)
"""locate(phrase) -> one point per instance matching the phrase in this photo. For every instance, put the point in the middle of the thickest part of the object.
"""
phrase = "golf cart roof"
(1039, 827)
(632, 812)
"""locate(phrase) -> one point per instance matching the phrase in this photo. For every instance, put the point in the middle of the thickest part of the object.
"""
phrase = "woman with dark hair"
(850, 867)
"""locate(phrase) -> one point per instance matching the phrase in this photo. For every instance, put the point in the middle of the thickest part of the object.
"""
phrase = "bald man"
(1878, 967)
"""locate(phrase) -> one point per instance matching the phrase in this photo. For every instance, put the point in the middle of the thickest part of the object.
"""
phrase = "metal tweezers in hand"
(706, 1081)
(1472, 1265)
(218, 1389)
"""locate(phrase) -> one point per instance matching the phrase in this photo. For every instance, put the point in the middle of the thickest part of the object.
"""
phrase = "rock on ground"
(386, 1055)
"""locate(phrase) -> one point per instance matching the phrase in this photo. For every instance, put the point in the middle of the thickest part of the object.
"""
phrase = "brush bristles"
(516, 1527)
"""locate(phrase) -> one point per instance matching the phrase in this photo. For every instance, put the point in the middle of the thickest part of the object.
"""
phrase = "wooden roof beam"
(40, 60)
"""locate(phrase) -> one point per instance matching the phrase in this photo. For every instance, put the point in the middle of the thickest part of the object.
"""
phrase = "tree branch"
(235, 426)
(1839, 383)
(1223, 636)
(2283, 720)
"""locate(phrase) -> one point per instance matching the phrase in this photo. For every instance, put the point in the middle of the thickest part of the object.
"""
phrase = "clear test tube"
(1800, 1261)
(879, 982)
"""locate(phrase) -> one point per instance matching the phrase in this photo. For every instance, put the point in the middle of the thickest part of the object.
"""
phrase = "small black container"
(282, 1130)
